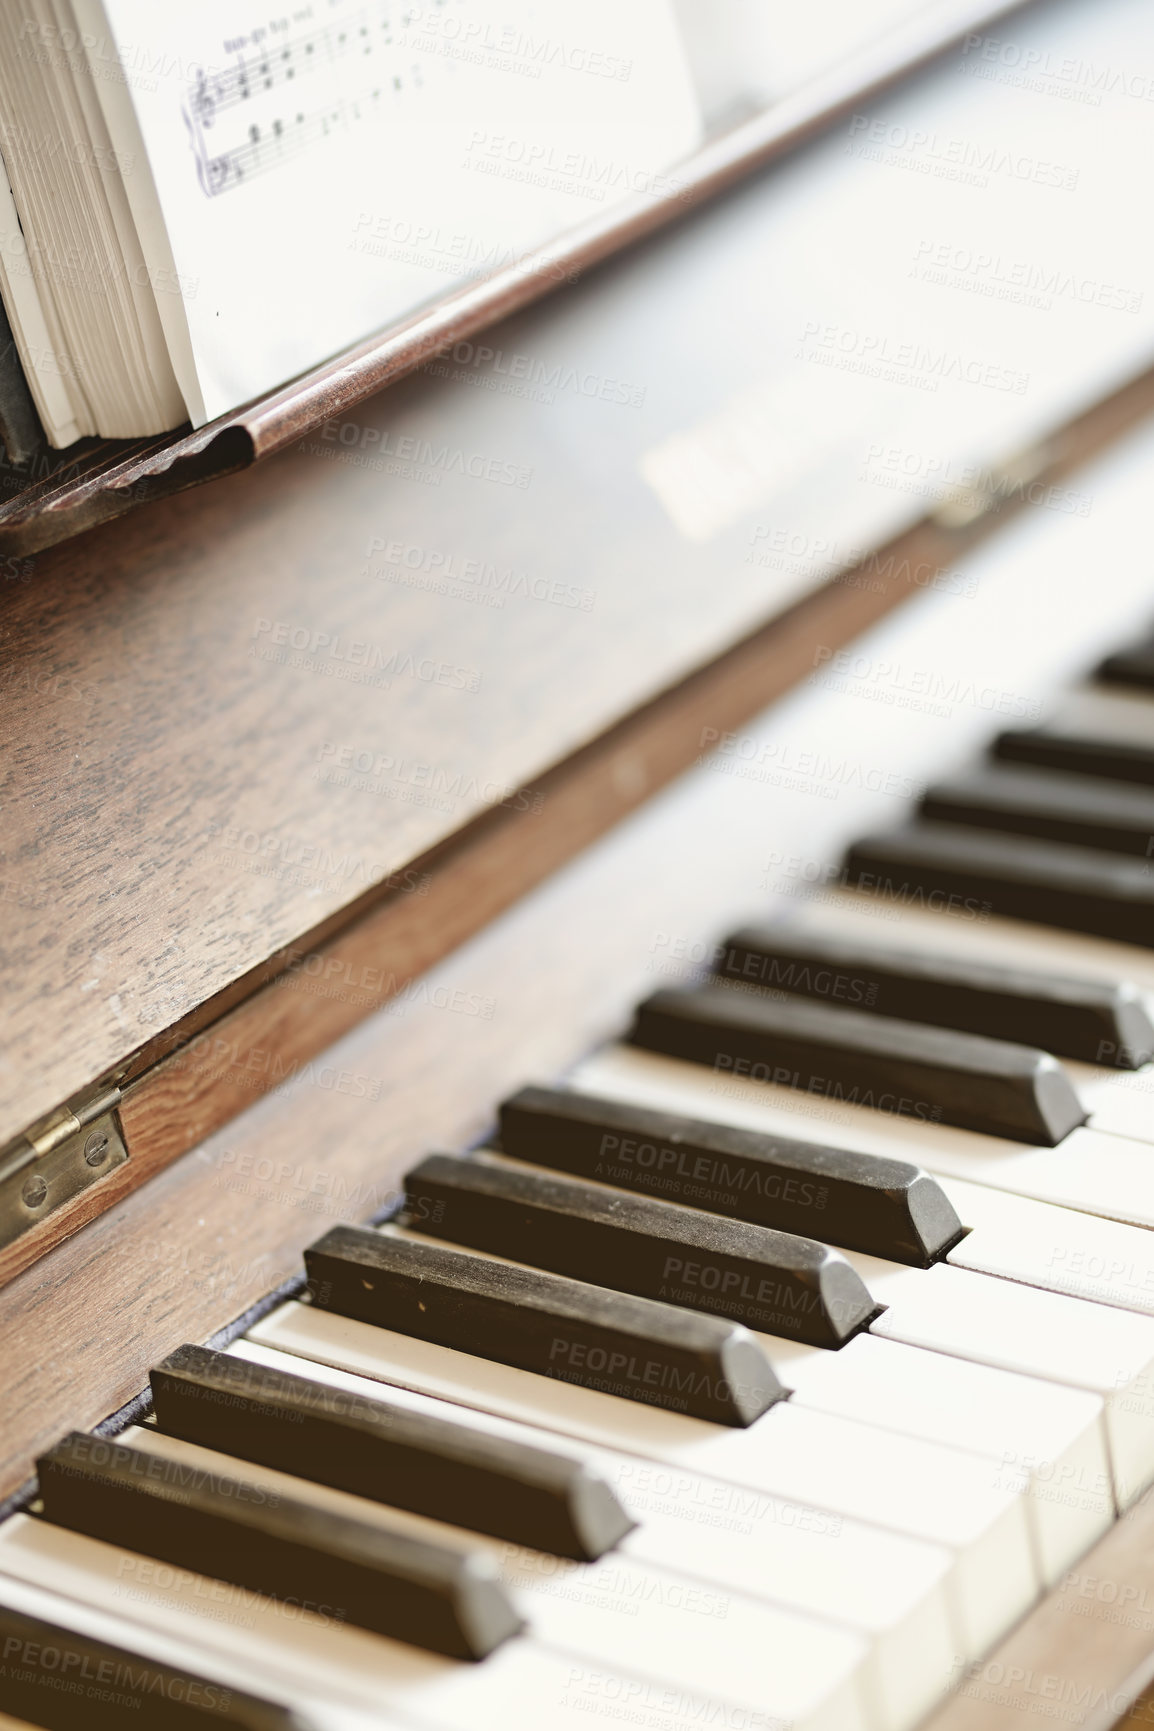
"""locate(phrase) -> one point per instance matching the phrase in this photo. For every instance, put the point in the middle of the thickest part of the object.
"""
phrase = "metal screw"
(96, 1147)
(34, 1191)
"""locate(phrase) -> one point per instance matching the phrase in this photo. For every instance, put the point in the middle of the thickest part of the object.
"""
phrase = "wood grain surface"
(523, 999)
(176, 807)
(459, 585)
(325, 983)
(268, 1026)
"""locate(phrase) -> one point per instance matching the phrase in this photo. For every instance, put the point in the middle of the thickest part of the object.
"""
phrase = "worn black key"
(1077, 809)
(567, 1329)
(972, 873)
(1096, 1020)
(54, 1677)
(1078, 753)
(927, 1074)
(377, 1449)
(885, 1207)
(1133, 665)
(445, 1598)
(768, 1280)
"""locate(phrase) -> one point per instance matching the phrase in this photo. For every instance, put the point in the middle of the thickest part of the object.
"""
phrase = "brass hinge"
(74, 1147)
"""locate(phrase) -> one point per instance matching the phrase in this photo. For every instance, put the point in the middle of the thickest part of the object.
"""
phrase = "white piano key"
(921, 1489)
(173, 1642)
(1100, 1174)
(886, 1587)
(1061, 1249)
(1097, 1172)
(1010, 1326)
(1115, 1354)
(1039, 1216)
(527, 1681)
(1003, 942)
(557, 1407)
(1099, 1169)
(1120, 1102)
(1055, 1435)
(1105, 712)
(620, 1611)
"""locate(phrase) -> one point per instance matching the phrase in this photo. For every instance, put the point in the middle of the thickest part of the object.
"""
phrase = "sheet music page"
(321, 171)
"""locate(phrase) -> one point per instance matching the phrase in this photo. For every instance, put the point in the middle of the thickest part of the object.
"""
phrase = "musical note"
(213, 172)
(202, 102)
(299, 54)
(255, 80)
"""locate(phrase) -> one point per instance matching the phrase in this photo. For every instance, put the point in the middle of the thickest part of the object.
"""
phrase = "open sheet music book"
(205, 198)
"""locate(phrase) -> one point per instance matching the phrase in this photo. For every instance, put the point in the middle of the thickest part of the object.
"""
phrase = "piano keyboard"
(762, 1373)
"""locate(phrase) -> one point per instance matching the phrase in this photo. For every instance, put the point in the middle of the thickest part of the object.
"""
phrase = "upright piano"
(576, 1099)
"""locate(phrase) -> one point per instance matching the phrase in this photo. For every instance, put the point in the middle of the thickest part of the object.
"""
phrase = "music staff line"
(267, 148)
(215, 93)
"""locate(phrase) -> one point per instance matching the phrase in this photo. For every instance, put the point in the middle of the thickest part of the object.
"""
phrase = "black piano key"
(929, 1074)
(374, 1448)
(1095, 1020)
(52, 1676)
(1078, 753)
(1042, 802)
(769, 1280)
(566, 1329)
(1133, 666)
(971, 873)
(445, 1598)
(885, 1207)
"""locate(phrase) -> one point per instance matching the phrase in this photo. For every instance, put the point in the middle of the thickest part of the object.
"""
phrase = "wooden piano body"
(351, 793)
